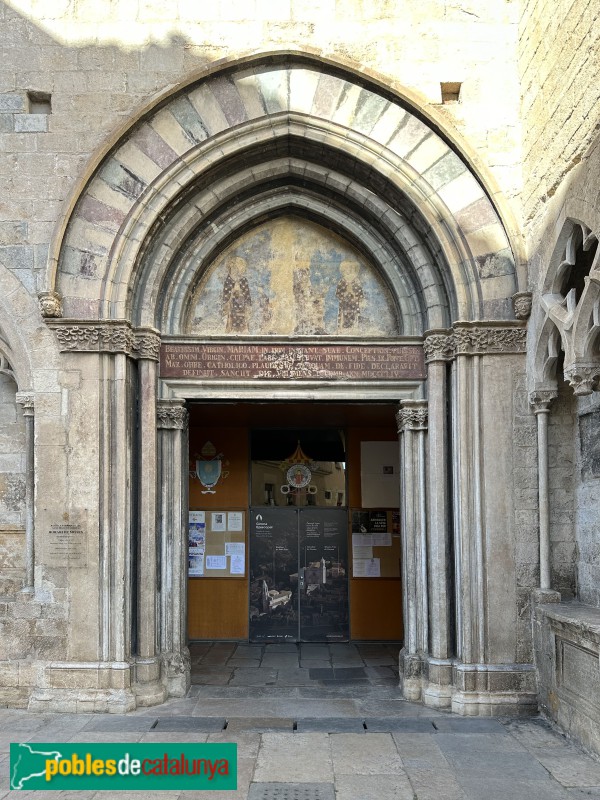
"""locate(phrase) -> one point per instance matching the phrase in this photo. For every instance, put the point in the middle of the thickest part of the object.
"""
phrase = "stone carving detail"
(584, 378)
(27, 400)
(412, 418)
(490, 340)
(174, 417)
(439, 347)
(522, 304)
(146, 344)
(108, 337)
(95, 337)
(50, 304)
(5, 367)
(541, 399)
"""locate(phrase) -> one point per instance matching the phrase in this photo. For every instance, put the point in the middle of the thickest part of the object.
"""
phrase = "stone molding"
(486, 339)
(522, 302)
(412, 416)
(541, 399)
(50, 305)
(27, 400)
(171, 415)
(108, 336)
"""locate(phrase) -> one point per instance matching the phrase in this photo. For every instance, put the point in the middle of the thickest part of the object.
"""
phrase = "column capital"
(171, 414)
(583, 377)
(439, 345)
(412, 415)
(146, 344)
(27, 400)
(541, 399)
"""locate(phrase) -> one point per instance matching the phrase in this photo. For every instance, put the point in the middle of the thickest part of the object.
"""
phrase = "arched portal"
(328, 230)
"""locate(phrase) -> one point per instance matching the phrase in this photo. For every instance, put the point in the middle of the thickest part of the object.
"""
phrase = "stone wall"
(559, 68)
(588, 501)
(12, 489)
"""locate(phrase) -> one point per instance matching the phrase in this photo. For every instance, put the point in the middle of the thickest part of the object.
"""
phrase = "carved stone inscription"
(292, 362)
(66, 546)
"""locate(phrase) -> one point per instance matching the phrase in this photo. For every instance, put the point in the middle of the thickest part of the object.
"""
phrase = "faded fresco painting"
(292, 277)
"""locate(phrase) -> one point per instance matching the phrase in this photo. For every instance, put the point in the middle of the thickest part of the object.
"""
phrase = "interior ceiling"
(293, 415)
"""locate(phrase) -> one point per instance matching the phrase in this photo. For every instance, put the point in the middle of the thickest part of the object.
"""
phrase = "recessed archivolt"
(277, 108)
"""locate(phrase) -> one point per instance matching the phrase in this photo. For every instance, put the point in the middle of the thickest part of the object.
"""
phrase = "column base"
(492, 704)
(437, 687)
(411, 675)
(177, 673)
(82, 701)
(494, 690)
(148, 685)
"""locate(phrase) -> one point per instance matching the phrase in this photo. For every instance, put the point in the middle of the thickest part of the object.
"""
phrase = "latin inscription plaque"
(66, 546)
(219, 361)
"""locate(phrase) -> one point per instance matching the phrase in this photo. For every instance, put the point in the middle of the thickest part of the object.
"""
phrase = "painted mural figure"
(236, 302)
(350, 295)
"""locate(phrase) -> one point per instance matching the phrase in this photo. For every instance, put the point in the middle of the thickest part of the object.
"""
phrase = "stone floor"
(318, 737)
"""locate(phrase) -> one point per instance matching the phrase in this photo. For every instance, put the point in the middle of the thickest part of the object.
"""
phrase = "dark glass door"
(298, 574)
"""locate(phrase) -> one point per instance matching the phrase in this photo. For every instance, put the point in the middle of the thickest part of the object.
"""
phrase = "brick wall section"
(559, 64)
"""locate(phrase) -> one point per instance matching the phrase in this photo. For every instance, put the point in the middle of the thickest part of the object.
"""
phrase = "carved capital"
(584, 378)
(541, 399)
(412, 416)
(27, 400)
(50, 305)
(439, 346)
(146, 344)
(172, 415)
(83, 336)
(522, 304)
(484, 339)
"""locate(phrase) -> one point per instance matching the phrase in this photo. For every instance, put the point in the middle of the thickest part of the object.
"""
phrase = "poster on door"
(274, 575)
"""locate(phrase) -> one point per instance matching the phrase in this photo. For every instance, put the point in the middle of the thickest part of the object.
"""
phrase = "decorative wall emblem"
(50, 304)
(209, 468)
(522, 304)
(298, 473)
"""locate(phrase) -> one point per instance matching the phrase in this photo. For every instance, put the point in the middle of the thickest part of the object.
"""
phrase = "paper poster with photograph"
(195, 563)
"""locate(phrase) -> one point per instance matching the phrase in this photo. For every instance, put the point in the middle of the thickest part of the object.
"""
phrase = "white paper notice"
(235, 549)
(366, 568)
(218, 522)
(195, 563)
(235, 520)
(362, 552)
(197, 516)
(216, 562)
(238, 565)
(371, 540)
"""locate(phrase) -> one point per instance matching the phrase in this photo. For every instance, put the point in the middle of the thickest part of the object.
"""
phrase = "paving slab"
(294, 757)
(247, 741)
(261, 724)
(192, 723)
(356, 754)
(438, 784)
(119, 723)
(280, 660)
(253, 677)
(485, 787)
(373, 787)
(399, 724)
(572, 769)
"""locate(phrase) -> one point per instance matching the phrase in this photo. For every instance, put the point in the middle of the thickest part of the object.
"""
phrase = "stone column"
(149, 688)
(439, 349)
(412, 425)
(26, 399)
(540, 401)
(172, 422)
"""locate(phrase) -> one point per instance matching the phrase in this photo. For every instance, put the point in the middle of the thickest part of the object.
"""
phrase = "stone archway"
(289, 137)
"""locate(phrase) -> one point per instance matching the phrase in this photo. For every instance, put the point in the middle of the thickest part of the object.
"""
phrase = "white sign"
(238, 565)
(218, 522)
(216, 562)
(235, 549)
(366, 568)
(235, 521)
(362, 552)
(197, 516)
(371, 540)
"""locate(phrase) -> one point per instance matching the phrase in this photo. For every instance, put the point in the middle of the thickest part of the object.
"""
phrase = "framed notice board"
(217, 544)
(376, 546)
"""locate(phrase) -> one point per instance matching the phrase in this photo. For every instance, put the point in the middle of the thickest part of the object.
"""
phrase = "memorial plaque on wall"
(391, 362)
(65, 545)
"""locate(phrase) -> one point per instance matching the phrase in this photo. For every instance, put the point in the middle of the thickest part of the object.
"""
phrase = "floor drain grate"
(291, 791)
